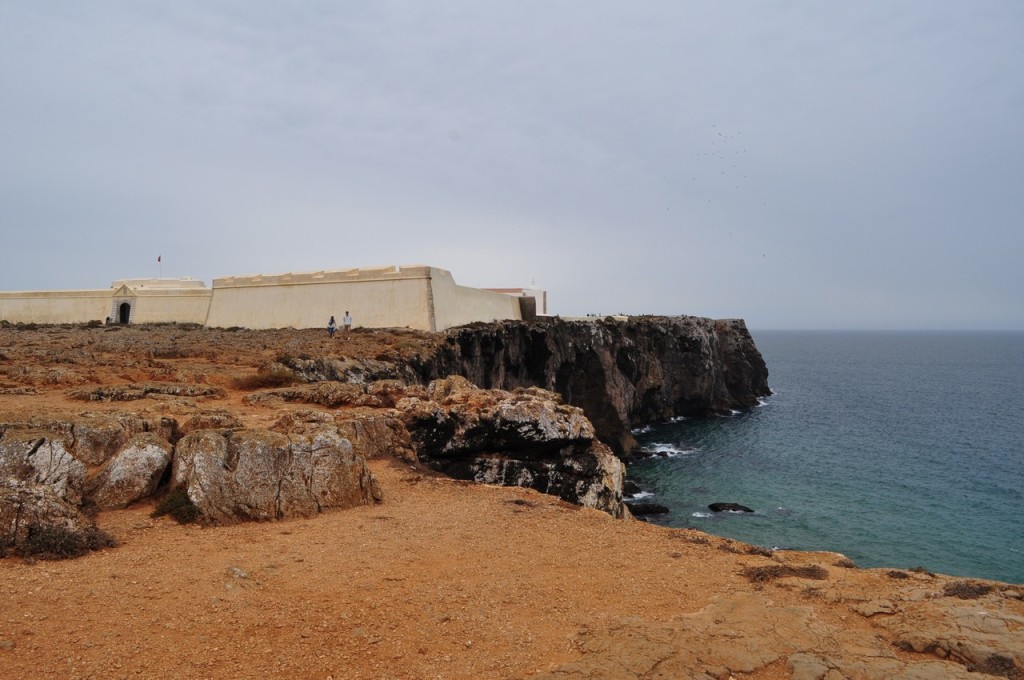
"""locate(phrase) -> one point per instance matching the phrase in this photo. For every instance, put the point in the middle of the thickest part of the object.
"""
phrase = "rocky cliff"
(622, 373)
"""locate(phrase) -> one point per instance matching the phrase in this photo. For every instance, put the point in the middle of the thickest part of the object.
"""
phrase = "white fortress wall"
(60, 306)
(455, 305)
(375, 297)
(415, 296)
(165, 306)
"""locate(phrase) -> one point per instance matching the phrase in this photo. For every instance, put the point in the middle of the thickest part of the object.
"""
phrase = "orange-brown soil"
(444, 579)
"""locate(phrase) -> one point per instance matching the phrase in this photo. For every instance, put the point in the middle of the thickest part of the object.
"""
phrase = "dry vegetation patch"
(776, 571)
(966, 590)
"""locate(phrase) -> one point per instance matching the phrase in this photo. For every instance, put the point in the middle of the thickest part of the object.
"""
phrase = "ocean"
(897, 449)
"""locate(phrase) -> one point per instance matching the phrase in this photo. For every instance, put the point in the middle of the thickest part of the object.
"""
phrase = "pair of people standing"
(346, 323)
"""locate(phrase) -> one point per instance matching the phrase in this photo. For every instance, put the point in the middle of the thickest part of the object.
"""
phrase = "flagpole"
(160, 261)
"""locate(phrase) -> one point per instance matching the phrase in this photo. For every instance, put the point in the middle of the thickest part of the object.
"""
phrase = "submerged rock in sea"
(728, 507)
(643, 508)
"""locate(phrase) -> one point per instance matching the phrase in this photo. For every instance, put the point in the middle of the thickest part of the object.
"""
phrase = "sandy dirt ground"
(443, 579)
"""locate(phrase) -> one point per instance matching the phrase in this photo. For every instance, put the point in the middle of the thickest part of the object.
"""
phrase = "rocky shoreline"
(289, 425)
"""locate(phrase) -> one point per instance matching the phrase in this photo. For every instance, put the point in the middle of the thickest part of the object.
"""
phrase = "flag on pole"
(158, 258)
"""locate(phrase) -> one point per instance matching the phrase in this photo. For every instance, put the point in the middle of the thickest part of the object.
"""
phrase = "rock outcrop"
(623, 374)
(35, 520)
(348, 370)
(520, 438)
(132, 474)
(383, 436)
(134, 391)
(92, 438)
(240, 475)
(34, 457)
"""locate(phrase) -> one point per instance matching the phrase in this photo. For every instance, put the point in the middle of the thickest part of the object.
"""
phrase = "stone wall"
(419, 297)
(66, 306)
(456, 305)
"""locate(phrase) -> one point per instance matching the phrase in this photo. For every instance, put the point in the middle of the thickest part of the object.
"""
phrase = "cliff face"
(623, 374)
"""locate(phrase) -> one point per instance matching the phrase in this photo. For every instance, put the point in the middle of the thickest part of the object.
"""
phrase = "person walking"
(346, 322)
(332, 326)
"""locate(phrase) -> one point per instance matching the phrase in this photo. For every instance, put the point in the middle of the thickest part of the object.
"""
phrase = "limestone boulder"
(373, 435)
(132, 474)
(29, 511)
(210, 420)
(378, 436)
(244, 475)
(94, 438)
(37, 458)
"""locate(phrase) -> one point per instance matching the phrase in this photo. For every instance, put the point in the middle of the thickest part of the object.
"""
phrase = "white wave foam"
(702, 515)
(640, 495)
(642, 430)
(666, 450)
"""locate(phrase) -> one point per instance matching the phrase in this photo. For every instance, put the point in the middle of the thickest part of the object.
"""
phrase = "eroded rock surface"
(132, 474)
(521, 438)
(27, 509)
(36, 457)
(746, 633)
(238, 475)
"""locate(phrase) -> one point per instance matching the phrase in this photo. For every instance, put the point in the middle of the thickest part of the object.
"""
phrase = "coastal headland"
(339, 536)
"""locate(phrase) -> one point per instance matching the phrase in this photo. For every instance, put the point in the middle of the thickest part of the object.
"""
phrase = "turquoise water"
(895, 449)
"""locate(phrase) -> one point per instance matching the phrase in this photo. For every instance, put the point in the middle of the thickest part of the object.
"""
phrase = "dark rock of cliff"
(623, 374)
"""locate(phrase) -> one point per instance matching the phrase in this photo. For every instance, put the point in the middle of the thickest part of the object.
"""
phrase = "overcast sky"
(818, 164)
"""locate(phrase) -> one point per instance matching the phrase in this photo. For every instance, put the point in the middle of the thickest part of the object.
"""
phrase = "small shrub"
(278, 377)
(966, 590)
(58, 543)
(897, 574)
(999, 665)
(758, 550)
(774, 571)
(845, 563)
(921, 570)
(178, 505)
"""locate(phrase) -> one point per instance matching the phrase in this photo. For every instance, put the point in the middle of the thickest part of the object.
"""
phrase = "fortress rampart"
(419, 296)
